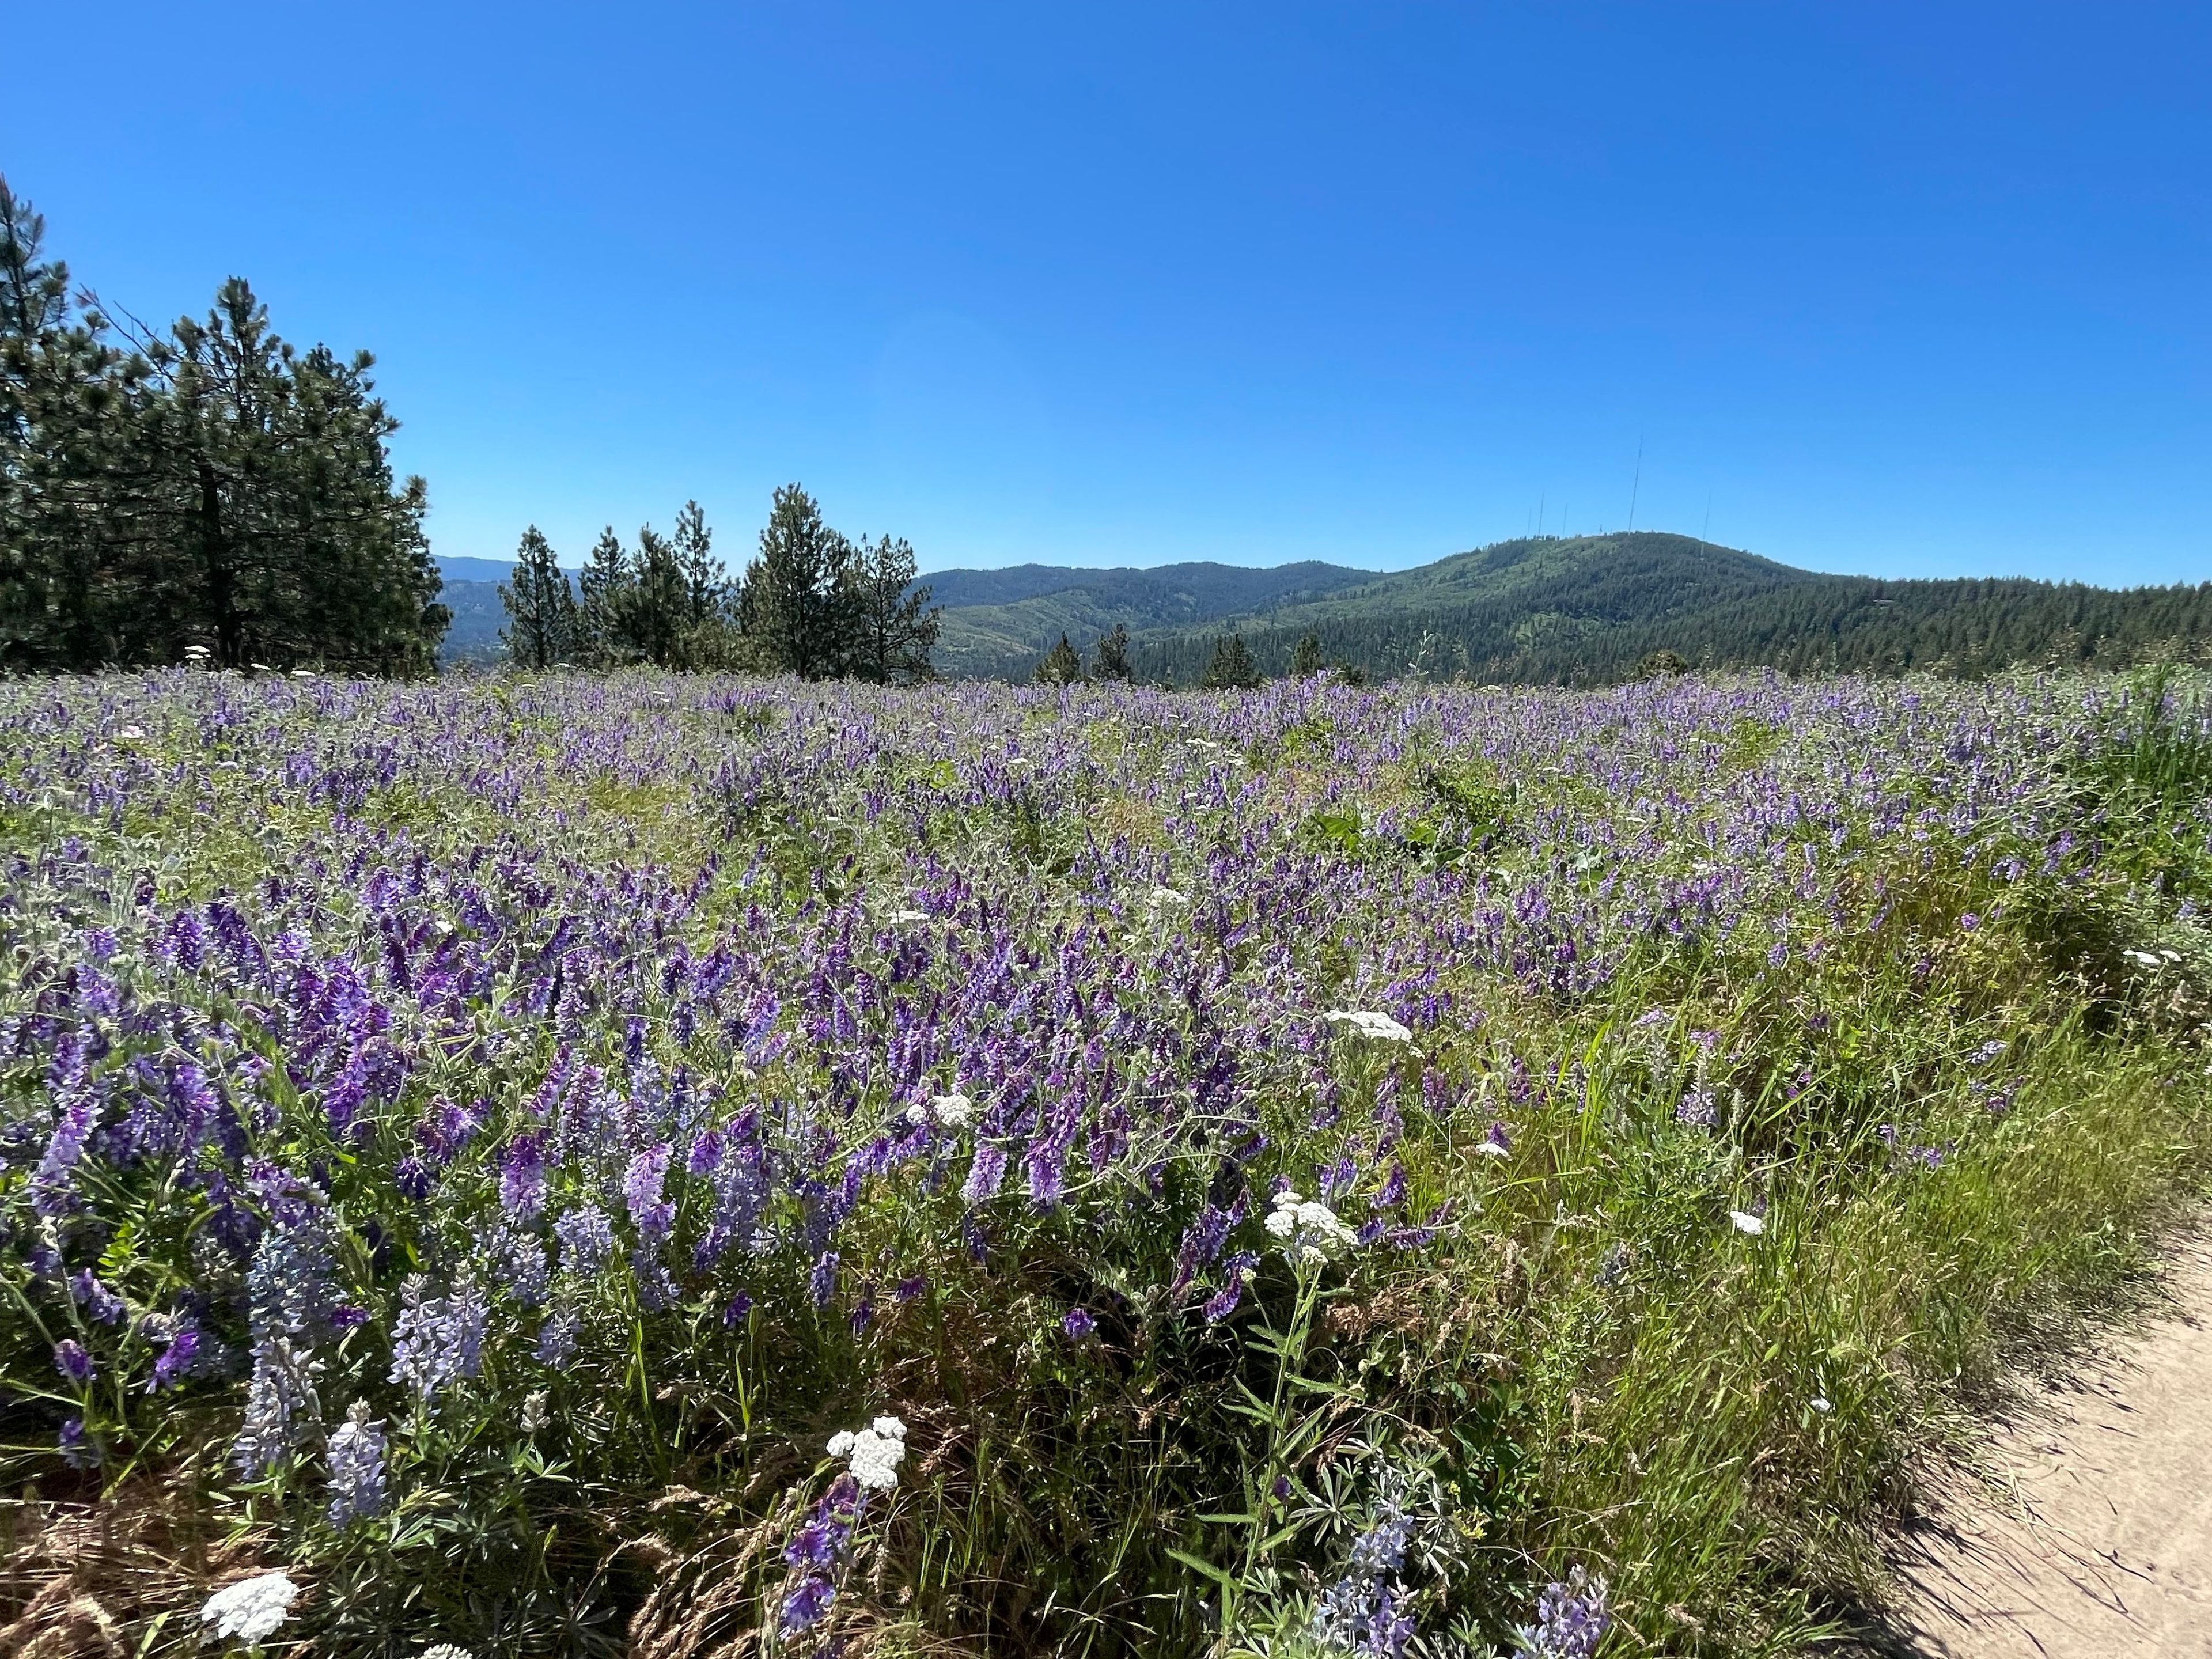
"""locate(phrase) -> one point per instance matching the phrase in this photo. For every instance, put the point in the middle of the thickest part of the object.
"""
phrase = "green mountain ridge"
(1588, 610)
(1546, 610)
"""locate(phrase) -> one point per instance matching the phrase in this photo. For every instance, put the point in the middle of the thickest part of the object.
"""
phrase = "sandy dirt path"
(2102, 1547)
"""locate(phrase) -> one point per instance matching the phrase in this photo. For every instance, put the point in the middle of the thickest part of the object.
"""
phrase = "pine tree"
(1061, 665)
(656, 621)
(79, 585)
(541, 608)
(1305, 657)
(209, 487)
(1109, 660)
(894, 626)
(605, 583)
(796, 609)
(1232, 665)
(301, 547)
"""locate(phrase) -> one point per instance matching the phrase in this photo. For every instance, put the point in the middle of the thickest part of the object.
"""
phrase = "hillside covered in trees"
(1588, 610)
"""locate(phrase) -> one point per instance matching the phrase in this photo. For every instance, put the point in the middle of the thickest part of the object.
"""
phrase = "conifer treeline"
(206, 491)
(813, 602)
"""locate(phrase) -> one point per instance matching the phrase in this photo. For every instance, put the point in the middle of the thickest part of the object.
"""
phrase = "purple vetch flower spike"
(985, 1173)
(522, 1176)
(77, 1449)
(641, 1189)
(1392, 1192)
(734, 1312)
(101, 1305)
(1234, 1273)
(1080, 1324)
(71, 1360)
(821, 1280)
(176, 1360)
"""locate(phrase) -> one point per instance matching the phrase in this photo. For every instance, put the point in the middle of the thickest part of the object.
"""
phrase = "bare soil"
(2093, 1540)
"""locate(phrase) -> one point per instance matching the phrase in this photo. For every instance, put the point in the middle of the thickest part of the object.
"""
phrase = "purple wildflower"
(587, 1241)
(101, 1305)
(356, 1459)
(77, 1449)
(175, 1361)
(522, 1176)
(1078, 1323)
(437, 1340)
(71, 1360)
(1570, 1619)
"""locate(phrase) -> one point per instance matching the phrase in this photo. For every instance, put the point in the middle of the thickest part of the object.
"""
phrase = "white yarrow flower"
(448, 1650)
(1371, 1024)
(248, 1611)
(903, 918)
(1310, 1230)
(1748, 1223)
(872, 1454)
(2141, 958)
(952, 1110)
(1167, 895)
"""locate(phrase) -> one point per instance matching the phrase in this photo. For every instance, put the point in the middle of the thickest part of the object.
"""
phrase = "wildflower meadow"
(705, 1166)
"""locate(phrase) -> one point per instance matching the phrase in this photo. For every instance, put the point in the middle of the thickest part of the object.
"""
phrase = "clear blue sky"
(1903, 288)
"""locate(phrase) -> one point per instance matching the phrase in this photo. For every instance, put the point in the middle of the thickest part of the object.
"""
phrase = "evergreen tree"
(541, 608)
(657, 622)
(894, 628)
(210, 487)
(710, 638)
(795, 608)
(1232, 666)
(78, 585)
(301, 547)
(1305, 657)
(605, 583)
(1111, 659)
(1061, 665)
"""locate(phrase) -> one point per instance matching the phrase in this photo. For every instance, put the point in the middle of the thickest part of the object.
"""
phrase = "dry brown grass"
(124, 1575)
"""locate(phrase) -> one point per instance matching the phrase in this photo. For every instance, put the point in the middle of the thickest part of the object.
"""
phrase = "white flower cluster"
(1745, 1222)
(448, 1650)
(1309, 1229)
(1380, 1027)
(907, 917)
(874, 1453)
(1169, 897)
(950, 1111)
(248, 1611)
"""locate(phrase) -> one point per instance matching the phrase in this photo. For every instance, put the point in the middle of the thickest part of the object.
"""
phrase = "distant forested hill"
(1549, 610)
(998, 622)
(1587, 610)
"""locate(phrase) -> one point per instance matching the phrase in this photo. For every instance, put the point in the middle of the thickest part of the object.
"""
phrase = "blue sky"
(1902, 288)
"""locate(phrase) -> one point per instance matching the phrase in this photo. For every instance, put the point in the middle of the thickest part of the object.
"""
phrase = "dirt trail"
(2103, 1549)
